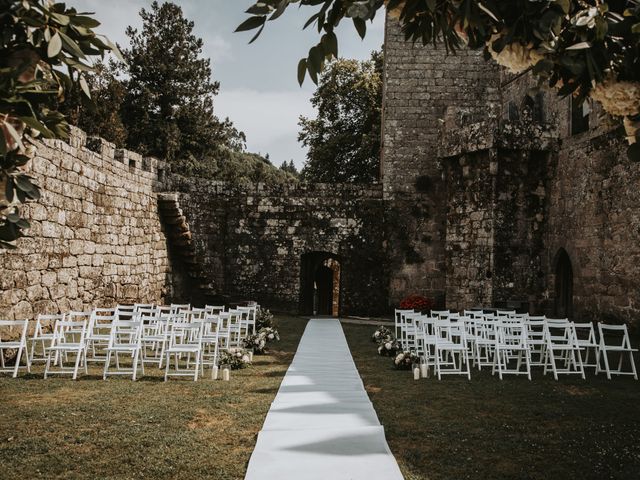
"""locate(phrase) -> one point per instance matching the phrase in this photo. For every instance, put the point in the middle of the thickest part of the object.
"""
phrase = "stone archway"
(320, 284)
(563, 307)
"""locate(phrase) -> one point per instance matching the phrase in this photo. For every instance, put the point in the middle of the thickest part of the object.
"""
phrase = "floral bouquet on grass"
(404, 360)
(389, 348)
(264, 319)
(381, 334)
(270, 333)
(255, 342)
(235, 358)
(258, 341)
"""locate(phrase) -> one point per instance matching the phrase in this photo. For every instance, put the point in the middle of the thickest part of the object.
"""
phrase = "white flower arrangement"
(617, 97)
(235, 358)
(380, 334)
(258, 341)
(405, 360)
(514, 56)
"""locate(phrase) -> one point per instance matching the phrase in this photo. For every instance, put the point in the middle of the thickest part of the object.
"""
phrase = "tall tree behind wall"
(168, 108)
(344, 138)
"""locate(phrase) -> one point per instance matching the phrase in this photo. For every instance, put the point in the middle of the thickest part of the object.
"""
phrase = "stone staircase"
(182, 247)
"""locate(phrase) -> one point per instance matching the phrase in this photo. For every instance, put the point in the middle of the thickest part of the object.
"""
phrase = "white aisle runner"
(321, 424)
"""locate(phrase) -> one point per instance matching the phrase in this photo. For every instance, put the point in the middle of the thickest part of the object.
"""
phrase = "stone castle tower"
(507, 199)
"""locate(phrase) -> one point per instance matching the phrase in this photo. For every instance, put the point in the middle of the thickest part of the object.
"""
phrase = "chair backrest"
(142, 306)
(213, 309)
(44, 322)
(585, 333)
(399, 315)
(614, 336)
(185, 334)
(505, 313)
(126, 332)
(450, 331)
(440, 313)
(20, 325)
(178, 307)
(100, 321)
(70, 331)
(511, 332)
(559, 331)
(124, 312)
(77, 317)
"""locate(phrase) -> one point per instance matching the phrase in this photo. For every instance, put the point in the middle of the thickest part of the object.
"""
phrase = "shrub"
(416, 302)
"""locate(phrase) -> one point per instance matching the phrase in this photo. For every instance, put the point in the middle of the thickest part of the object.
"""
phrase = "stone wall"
(95, 237)
(251, 239)
(425, 87)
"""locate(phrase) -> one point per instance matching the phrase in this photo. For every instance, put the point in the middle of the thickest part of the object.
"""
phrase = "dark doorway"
(320, 284)
(564, 285)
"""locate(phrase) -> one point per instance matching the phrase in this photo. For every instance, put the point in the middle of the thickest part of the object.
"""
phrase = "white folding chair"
(450, 341)
(562, 353)
(511, 339)
(441, 314)
(485, 341)
(42, 336)
(68, 338)
(615, 338)
(224, 329)
(125, 338)
(235, 325)
(587, 341)
(536, 339)
(399, 321)
(19, 344)
(409, 330)
(155, 330)
(99, 332)
(248, 320)
(426, 339)
(185, 340)
(210, 343)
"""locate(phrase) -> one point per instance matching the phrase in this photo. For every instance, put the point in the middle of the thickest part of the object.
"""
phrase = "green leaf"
(84, 21)
(71, 46)
(84, 86)
(55, 45)
(330, 42)
(251, 23)
(361, 27)
(61, 19)
(302, 70)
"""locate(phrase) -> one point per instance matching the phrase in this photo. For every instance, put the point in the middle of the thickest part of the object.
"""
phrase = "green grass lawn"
(90, 428)
(511, 429)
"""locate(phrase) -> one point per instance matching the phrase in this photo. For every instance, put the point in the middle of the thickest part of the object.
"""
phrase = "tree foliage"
(344, 138)
(168, 108)
(102, 117)
(44, 51)
(577, 46)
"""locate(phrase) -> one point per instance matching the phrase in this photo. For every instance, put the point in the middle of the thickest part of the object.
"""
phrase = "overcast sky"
(259, 91)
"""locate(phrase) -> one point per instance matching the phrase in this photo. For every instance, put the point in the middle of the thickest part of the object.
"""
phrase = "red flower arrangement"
(416, 302)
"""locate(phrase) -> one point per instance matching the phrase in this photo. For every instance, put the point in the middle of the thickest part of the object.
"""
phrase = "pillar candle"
(226, 375)
(214, 374)
(424, 370)
(416, 373)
